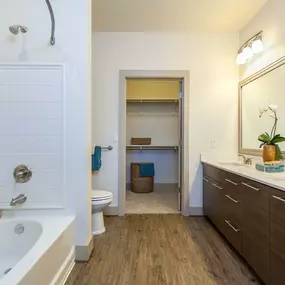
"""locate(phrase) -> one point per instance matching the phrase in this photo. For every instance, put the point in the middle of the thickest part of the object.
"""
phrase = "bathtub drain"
(7, 270)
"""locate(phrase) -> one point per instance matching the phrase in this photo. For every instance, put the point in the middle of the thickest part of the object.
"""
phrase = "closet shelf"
(152, 100)
(151, 147)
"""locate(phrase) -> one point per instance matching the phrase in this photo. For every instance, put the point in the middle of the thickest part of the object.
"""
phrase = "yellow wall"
(152, 89)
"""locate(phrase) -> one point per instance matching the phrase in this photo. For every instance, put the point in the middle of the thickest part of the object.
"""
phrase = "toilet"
(100, 200)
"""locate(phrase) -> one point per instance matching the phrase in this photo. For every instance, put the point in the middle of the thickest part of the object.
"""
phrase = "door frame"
(182, 75)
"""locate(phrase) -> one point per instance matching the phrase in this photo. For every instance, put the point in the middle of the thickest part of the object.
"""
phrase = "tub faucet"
(21, 199)
(246, 160)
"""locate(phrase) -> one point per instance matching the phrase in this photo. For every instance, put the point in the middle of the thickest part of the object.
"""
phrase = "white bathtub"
(40, 250)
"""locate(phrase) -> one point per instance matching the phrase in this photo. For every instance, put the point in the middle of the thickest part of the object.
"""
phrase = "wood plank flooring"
(161, 250)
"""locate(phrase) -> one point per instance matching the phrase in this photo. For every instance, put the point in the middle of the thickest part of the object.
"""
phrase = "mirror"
(265, 88)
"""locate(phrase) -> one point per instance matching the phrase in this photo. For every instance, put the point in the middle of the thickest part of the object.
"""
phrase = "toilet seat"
(101, 195)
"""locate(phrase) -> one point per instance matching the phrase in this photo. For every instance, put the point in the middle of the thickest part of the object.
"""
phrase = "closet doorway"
(154, 105)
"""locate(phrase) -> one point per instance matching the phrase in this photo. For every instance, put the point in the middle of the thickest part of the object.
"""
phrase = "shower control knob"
(22, 174)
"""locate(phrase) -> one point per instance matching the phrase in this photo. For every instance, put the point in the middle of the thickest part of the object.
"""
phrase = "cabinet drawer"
(217, 202)
(232, 180)
(207, 197)
(255, 194)
(232, 233)
(277, 267)
(232, 208)
(277, 204)
(212, 172)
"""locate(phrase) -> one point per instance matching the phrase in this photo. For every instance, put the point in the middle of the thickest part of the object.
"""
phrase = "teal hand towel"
(270, 168)
(147, 170)
(96, 159)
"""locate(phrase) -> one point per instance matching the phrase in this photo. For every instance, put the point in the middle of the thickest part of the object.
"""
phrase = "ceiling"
(173, 15)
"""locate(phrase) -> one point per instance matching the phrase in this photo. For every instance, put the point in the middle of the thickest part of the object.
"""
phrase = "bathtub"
(36, 250)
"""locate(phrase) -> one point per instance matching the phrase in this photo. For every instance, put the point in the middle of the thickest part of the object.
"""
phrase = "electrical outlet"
(213, 144)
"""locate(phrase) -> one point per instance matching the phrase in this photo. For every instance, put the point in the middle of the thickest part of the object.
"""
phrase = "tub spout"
(21, 199)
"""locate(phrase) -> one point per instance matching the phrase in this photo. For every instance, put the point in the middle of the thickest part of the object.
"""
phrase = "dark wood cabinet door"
(277, 267)
(207, 197)
(255, 227)
(277, 237)
(257, 255)
(218, 214)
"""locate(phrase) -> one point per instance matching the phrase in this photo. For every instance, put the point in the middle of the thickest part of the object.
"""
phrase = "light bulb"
(257, 46)
(248, 53)
(241, 58)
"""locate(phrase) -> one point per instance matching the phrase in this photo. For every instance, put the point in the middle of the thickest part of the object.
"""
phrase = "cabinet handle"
(279, 198)
(229, 224)
(251, 187)
(205, 179)
(233, 200)
(215, 185)
(230, 181)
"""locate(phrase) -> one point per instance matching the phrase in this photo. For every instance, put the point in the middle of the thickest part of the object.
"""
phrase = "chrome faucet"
(246, 160)
(20, 199)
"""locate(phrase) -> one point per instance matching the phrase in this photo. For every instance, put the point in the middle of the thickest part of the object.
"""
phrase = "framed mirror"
(256, 93)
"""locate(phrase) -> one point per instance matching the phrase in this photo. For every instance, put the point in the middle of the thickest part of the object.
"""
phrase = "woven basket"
(140, 184)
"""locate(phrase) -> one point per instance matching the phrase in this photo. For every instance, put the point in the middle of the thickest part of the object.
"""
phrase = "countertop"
(275, 180)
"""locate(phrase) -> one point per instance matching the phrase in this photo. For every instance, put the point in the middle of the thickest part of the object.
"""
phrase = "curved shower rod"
(52, 37)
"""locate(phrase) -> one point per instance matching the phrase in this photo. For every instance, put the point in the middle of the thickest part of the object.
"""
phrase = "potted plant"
(269, 142)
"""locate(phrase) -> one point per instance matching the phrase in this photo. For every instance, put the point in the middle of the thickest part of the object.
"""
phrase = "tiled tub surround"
(248, 208)
(32, 132)
(39, 250)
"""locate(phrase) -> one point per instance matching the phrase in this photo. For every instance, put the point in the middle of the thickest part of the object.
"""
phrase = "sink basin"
(236, 163)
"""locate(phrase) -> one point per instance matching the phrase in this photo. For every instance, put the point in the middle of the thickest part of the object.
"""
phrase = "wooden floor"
(161, 250)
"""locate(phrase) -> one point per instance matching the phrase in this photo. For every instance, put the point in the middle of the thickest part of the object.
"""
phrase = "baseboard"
(196, 211)
(158, 186)
(111, 211)
(83, 252)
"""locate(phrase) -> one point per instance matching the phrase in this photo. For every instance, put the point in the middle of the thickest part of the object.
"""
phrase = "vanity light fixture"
(253, 46)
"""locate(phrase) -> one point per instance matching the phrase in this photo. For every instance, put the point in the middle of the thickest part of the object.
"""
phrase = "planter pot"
(269, 153)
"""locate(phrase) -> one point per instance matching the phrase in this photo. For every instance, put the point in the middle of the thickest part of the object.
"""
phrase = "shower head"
(16, 28)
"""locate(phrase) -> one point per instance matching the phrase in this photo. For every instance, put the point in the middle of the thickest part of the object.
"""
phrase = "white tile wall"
(32, 132)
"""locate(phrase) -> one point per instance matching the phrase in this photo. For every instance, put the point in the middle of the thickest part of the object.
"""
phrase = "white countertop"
(275, 180)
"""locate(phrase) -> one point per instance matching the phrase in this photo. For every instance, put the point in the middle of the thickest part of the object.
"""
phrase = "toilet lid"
(98, 195)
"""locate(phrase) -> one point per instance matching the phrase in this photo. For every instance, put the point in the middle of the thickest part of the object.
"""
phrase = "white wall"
(72, 48)
(160, 122)
(271, 21)
(213, 92)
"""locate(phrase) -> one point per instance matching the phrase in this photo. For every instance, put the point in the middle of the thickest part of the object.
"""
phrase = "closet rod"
(140, 147)
(153, 114)
(152, 101)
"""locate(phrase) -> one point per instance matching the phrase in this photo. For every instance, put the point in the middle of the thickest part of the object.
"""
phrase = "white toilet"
(100, 200)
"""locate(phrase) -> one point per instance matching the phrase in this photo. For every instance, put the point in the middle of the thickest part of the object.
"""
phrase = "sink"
(235, 163)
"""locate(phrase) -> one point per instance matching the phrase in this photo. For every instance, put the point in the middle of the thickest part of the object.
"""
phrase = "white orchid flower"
(272, 106)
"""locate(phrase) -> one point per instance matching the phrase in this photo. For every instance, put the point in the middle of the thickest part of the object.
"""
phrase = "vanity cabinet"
(255, 227)
(277, 236)
(251, 216)
(213, 200)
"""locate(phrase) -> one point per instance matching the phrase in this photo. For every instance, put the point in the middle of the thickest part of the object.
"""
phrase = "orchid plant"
(272, 138)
